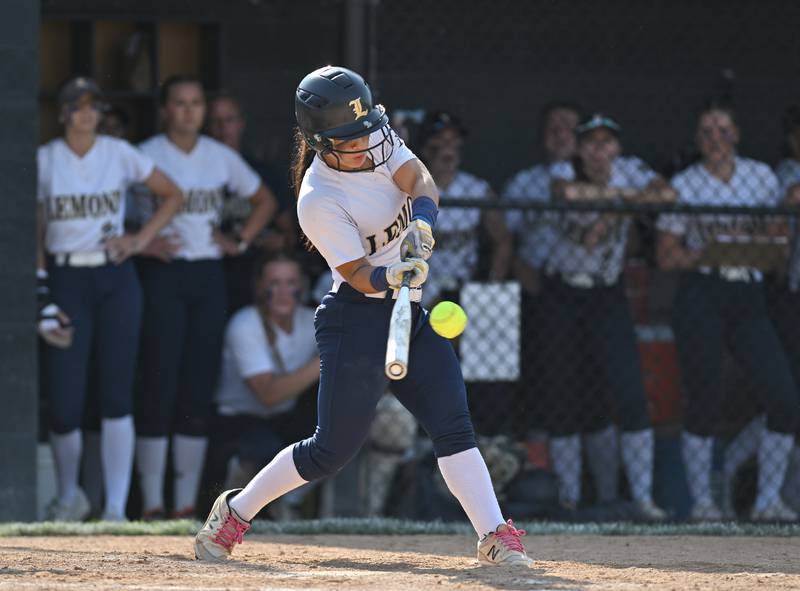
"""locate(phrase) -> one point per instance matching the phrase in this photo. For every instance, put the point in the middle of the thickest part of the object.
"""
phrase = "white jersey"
(207, 175)
(247, 353)
(350, 215)
(84, 197)
(535, 230)
(606, 260)
(788, 173)
(456, 254)
(752, 184)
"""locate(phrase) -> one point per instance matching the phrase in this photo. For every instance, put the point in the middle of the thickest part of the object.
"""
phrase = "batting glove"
(396, 271)
(53, 325)
(419, 241)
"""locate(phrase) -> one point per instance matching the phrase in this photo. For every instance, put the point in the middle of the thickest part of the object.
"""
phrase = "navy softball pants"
(105, 307)
(351, 331)
(589, 341)
(712, 315)
(181, 346)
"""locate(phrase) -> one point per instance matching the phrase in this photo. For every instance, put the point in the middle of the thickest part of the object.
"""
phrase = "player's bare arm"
(271, 389)
(264, 205)
(171, 197)
(415, 180)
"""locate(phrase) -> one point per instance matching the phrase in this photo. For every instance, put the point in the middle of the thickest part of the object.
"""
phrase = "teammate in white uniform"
(721, 306)
(82, 182)
(455, 260)
(365, 201)
(592, 345)
(184, 296)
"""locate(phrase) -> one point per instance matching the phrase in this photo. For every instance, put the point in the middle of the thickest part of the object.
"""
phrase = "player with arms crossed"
(363, 200)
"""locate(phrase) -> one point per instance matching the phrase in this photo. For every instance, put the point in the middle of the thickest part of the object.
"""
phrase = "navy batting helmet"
(336, 103)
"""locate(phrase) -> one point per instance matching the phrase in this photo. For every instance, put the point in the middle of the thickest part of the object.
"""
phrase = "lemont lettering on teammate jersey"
(208, 175)
(788, 173)
(607, 259)
(456, 254)
(350, 215)
(535, 230)
(83, 197)
(247, 353)
(753, 184)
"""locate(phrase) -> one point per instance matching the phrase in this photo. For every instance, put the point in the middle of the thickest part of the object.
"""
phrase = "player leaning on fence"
(83, 178)
(364, 201)
(719, 305)
(590, 331)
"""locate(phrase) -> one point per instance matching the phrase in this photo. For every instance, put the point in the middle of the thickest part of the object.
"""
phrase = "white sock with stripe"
(638, 448)
(697, 452)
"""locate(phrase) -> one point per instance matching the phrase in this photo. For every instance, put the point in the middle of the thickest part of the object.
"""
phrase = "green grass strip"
(386, 526)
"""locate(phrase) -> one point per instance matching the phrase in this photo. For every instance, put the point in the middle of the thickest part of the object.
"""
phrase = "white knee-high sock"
(744, 446)
(697, 452)
(567, 464)
(773, 458)
(791, 483)
(602, 451)
(637, 455)
(468, 479)
(92, 470)
(188, 456)
(273, 481)
(151, 463)
(116, 451)
(67, 449)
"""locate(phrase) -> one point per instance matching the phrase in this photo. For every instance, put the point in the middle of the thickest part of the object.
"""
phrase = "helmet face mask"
(334, 103)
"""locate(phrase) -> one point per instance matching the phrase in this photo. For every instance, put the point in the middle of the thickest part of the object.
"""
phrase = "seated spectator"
(719, 305)
(269, 360)
(590, 328)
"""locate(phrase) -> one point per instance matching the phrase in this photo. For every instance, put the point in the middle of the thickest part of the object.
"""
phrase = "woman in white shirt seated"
(269, 360)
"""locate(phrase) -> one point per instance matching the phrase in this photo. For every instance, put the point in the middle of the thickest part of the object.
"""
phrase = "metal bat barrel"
(396, 366)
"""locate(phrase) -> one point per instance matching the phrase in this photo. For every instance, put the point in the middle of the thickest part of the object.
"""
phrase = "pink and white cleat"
(503, 547)
(221, 532)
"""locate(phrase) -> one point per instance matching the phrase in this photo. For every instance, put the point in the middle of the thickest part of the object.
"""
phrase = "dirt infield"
(400, 562)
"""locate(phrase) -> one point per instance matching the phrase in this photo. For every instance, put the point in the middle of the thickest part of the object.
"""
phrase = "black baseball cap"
(597, 121)
(436, 121)
(73, 90)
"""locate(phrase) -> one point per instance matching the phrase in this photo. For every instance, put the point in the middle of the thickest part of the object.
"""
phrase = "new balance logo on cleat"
(504, 548)
(221, 532)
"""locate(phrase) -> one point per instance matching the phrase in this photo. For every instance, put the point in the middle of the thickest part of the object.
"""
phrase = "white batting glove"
(419, 241)
(395, 272)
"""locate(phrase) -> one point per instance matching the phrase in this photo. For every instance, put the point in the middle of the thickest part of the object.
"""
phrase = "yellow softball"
(448, 319)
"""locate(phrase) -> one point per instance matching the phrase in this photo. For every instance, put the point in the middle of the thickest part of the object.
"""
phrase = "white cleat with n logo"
(221, 532)
(503, 547)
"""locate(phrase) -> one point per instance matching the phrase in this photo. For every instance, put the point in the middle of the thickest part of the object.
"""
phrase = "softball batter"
(364, 201)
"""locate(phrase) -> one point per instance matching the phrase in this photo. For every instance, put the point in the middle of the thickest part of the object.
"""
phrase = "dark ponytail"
(301, 160)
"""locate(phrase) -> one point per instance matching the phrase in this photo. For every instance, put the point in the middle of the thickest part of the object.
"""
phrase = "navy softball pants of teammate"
(352, 331)
(593, 358)
(712, 315)
(182, 332)
(105, 306)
